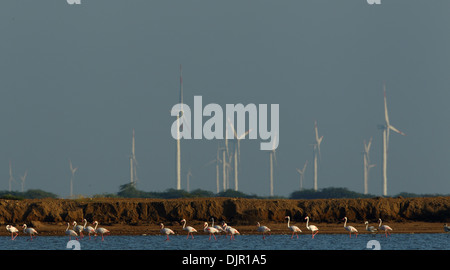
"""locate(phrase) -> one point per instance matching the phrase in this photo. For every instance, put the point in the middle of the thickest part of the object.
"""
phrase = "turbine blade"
(386, 116)
(396, 130)
(232, 127)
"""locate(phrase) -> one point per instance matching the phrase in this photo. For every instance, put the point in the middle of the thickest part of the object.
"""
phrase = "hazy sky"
(76, 79)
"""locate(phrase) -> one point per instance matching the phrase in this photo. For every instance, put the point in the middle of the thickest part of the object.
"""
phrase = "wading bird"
(13, 230)
(313, 228)
(263, 229)
(100, 230)
(189, 229)
(293, 228)
(210, 230)
(30, 231)
(88, 229)
(371, 229)
(385, 228)
(349, 228)
(70, 232)
(165, 231)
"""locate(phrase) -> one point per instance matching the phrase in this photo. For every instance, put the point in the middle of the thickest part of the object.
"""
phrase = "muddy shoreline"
(143, 216)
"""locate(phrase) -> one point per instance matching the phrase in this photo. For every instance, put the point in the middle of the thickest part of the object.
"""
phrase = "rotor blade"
(232, 127)
(304, 167)
(396, 130)
(386, 116)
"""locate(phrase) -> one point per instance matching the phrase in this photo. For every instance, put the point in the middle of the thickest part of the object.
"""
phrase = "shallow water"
(422, 241)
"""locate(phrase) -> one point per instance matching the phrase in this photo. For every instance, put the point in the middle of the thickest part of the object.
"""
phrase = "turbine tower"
(178, 132)
(187, 179)
(386, 128)
(11, 178)
(316, 152)
(237, 152)
(133, 162)
(217, 161)
(22, 179)
(367, 166)
(302, 174)
(272, 157)
(72, 171)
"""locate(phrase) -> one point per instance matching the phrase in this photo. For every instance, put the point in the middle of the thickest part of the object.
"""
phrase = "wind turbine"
(367, 165)
(187, 179)
(178, 132)
(72, 170)
(316, 152)
(272, 157)
(133, 163)
(386, 128)
(11, 178)
(302, 174)
(217, 160)
(22, 179)
(237, 152)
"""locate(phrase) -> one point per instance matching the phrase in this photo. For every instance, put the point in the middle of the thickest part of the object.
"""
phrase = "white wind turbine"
(217, 160)
(367, 165)
(386, 128)
(11, 178)
(72, 171)
(22, 179)
(133, 162)
(272, 157)
(237, 152)
(316, 152)
(189, 174)
(178, 133)
(302, 174)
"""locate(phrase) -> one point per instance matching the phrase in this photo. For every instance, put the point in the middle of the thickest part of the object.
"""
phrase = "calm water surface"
(422, 241)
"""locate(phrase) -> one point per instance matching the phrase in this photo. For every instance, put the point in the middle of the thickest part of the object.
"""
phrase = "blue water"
(422, 241)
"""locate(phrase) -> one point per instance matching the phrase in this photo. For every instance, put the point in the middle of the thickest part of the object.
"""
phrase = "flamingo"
(230, 230)
(78, 228)
(210, 230)
(263, 229)
(70, 232)
(371, 229)
(165, 231)
(446, 228)
(88, 229)
(30, 231)
(12, 230)
(313, 228)
(189, 229)
(293, 228)
(385, 228)
(100, 230)
(349, 228)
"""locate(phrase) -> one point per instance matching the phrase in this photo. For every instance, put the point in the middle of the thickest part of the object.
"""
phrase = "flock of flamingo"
(228, 230)
(78, 230)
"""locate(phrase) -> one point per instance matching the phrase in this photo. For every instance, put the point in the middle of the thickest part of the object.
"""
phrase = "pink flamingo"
(30, 231)
(313, 228)
(100, 230)
(12, 230)
(385, 228)
(230, 230)
(293, 228)
(349, 228)
(189, 229)
(70, 232)
(263, 229)
(165, 231)
(210, 230)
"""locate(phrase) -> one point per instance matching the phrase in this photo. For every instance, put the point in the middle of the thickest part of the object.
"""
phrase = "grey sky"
(75, 80)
